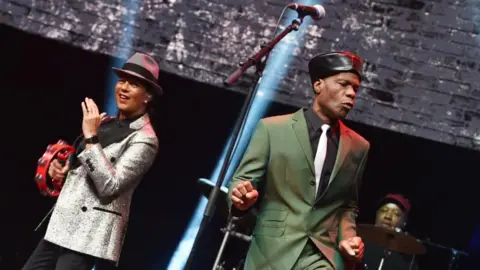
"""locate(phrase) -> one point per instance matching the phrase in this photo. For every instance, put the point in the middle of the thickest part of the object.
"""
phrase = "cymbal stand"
(386, 253)
(455, 252)
(228, 231)
(454, 257)
(411, 262)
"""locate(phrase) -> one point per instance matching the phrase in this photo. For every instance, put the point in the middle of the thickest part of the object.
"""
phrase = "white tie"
(320, 156)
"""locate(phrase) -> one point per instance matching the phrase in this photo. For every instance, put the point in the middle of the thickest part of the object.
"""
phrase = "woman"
(90, 217)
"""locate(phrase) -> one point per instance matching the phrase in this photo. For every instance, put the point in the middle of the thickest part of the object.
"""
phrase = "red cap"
(398, 199)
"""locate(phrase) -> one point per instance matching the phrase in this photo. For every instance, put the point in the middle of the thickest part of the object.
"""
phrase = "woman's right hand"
(57, 171)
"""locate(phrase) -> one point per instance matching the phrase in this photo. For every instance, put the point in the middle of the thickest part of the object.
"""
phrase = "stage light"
(131, 8)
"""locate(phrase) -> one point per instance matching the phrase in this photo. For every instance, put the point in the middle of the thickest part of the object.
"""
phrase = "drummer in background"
(392, 213)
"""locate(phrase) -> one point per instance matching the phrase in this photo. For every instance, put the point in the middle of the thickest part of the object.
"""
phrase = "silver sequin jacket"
(91, 213)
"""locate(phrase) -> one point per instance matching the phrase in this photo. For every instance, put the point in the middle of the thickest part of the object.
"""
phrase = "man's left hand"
(91, 118)
(352, 248)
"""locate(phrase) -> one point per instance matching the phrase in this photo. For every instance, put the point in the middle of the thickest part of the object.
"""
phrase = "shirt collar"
(317, 122)
(128, 121)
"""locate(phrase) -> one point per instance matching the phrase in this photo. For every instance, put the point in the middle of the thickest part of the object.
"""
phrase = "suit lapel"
(299, 126)
(140, 122)
(343, 149)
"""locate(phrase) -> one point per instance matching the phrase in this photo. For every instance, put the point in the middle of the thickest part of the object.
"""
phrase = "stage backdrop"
(421, 56)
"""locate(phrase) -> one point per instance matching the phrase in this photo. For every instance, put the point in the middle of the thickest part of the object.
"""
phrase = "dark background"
(43, 83)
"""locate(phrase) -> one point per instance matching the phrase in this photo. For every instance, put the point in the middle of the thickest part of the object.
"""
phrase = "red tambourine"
(48, 186)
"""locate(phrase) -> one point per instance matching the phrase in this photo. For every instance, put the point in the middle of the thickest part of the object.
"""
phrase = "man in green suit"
(302, 172)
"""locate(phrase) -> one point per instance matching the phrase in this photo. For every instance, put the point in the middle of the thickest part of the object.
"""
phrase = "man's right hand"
(244, 195)
(57, 171)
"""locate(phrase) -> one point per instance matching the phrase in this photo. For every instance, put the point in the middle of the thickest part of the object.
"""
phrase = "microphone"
(317, 12)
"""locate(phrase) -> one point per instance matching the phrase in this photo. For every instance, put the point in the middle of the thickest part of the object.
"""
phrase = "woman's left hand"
(91, 118)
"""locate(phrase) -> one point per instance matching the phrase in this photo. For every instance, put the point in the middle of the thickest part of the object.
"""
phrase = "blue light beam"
(124, 49)
(110, 106)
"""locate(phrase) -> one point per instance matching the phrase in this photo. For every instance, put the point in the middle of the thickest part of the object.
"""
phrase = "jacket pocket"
(271, 223)
(272, 218)
(107, 211)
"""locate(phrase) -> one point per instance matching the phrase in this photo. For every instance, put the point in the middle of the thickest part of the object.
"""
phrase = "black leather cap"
(329, 64)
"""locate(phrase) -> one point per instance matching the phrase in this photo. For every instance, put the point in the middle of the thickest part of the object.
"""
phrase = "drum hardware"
(227, 232)
(391, 239)
(395, 240)
(386, 252)
(233, 222)
(238, 235)
(245, 223)
(455, 253)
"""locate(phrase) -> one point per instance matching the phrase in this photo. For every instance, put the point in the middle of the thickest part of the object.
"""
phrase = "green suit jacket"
(279, 162)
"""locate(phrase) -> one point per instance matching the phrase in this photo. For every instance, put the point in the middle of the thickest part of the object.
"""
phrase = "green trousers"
(312, 259)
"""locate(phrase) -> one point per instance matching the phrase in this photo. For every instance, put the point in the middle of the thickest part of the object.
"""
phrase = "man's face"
(390, 215)
(335, 95)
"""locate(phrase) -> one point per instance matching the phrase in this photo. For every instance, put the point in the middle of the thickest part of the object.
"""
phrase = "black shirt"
(314, 125)
(111, 130)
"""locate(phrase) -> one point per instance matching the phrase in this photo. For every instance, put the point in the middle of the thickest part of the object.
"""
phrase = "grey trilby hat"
(143, 67)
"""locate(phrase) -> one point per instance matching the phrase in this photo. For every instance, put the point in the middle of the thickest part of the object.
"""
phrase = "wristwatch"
(92, 140)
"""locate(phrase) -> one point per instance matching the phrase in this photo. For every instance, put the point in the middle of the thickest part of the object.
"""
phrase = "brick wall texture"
(422, 57)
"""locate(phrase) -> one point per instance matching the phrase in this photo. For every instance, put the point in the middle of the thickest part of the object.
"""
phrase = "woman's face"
(132, 96)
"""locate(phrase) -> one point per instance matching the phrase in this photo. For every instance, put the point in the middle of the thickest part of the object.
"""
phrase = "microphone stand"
(255, 60)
